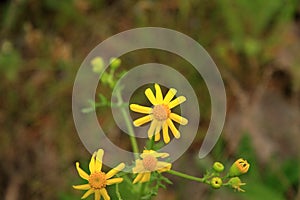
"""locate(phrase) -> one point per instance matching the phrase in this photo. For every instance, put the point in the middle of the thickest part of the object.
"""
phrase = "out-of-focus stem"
(186, 176)
(129, 126)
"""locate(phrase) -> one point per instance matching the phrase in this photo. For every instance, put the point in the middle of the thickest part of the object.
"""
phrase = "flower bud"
(216, 182)
(236, 184)
(218, 167)
(115, 63)
(239, 167)
(97, 64)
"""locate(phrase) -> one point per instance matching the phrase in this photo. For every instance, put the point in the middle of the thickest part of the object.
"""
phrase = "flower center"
(161, 112)
(97, 180)
(150, 162)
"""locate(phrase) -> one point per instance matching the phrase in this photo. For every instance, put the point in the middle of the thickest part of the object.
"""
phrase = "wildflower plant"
(146, 174)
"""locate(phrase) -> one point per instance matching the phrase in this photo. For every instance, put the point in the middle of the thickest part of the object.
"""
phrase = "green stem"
(142, 189)
(226, 176)
(151, 143)
(186, 176)
(118, 192)
(131, 133)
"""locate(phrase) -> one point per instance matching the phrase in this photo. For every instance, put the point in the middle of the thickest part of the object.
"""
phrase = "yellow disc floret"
(150, 162)
(97, 180)
(161, 112)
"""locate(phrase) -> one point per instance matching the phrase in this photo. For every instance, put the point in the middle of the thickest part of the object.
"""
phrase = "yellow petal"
(97, 195)
(98, 160)
(138, 178)
(171, 93)
(146, 177)
(88, 193)
(104, 194)
(142, 120)
(178, 119)
(145, 151)
(152, 128)
(115, 170)
(140, 109)
(174, 130)
(92, 163)
(81, 173)
(162, 155)
(82, 187)
(157, 137)
(153, 153)
(114, 181)
(139, 167)
(163, 166)
(166, 133)
(176, 102)
(157, 131)
(150, 96)
(159, 97)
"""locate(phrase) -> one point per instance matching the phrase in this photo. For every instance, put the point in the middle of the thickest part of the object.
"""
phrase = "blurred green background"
(255, 44)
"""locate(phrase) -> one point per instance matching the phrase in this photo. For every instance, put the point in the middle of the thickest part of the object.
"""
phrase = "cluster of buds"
(107, 78)
(238, 168)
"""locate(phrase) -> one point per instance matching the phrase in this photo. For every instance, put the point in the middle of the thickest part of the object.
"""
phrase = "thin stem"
(186, 176)
(131, 133)
(118, 192)
(226, 176)
(151, 143)
(142, 189)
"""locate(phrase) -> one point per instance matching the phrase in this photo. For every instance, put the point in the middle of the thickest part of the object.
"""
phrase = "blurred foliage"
(10, 61)
(42, 44)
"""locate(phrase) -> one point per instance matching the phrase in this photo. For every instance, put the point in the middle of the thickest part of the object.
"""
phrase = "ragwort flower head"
(149, 163)
(98, 180)
(160, 114)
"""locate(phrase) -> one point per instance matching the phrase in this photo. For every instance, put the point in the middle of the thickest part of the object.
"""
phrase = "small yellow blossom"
(160, 114)
(239, 167)
(148, 164)
(98, 180)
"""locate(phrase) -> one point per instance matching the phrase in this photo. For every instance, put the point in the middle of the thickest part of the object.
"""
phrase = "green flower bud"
(236, 184)
(97, 64)
(239, 167)
(218, 167)
(105, 78)
(216, 182)
(115, 63)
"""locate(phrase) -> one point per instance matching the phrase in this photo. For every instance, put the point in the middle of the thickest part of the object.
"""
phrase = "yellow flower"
(98, 180)
(160, 114)
(148, 164)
